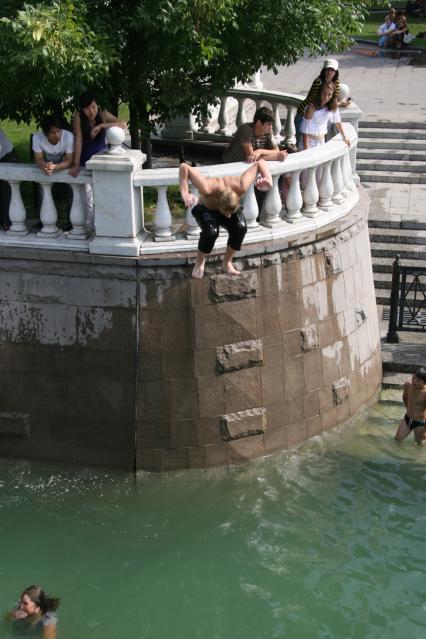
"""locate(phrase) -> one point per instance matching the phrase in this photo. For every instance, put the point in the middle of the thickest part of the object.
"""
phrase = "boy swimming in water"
(414, 398)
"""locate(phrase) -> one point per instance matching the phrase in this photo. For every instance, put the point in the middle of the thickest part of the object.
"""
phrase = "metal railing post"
(392, 335)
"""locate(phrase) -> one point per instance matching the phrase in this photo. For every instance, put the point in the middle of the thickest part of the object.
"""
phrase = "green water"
(326, 541)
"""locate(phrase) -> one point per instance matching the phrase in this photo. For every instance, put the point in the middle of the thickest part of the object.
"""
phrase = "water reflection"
(322, 541)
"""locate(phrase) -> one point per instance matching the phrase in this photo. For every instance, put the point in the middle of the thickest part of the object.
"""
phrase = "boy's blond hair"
(228, 201)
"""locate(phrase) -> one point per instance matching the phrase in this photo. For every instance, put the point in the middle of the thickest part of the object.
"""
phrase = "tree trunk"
(134, 125)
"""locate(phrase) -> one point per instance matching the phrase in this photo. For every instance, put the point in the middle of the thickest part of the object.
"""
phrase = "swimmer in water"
(414, 398)
(35, 613)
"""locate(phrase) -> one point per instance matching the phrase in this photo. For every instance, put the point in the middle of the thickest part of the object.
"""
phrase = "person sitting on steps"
(219, 205)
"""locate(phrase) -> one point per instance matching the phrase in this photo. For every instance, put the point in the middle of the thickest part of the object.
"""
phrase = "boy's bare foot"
(230, 268)
(198, 270)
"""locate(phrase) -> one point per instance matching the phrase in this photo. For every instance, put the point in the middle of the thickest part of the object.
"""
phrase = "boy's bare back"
(415, 399)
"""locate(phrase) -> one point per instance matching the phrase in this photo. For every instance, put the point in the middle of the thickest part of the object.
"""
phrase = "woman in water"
(90, 124)
(35, 613)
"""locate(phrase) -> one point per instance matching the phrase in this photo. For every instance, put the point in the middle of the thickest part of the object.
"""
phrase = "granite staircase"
(389, 153)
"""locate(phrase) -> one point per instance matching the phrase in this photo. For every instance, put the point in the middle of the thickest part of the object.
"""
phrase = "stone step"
(383, 293)
(391, 143)
(391, 124)
(392, 177)
(391, 165)
(403, 357)
(401, 236)
(397, 155)
(388, 250)
(385, 264)
(401, 133)
(393, 381)
(391, 394)
(379, 220)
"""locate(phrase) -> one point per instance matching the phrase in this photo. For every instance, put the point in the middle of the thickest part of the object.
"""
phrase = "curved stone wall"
(232, 369)
(128, 362)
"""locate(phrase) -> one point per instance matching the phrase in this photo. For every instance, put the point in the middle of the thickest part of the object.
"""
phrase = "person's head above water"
(228, 202)
(34, 601)
(420, 376)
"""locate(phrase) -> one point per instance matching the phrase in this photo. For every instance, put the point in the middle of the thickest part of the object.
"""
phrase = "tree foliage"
(164, 57)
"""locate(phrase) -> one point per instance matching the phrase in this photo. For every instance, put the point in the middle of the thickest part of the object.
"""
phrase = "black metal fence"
(408, 300)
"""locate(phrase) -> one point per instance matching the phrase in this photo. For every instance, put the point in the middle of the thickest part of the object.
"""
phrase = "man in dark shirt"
(252, 142)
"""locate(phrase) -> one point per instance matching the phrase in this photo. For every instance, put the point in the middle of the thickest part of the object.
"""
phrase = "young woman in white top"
(322, 111)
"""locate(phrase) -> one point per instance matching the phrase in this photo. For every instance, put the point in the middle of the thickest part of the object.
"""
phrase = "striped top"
(313, 91)
(245, 135)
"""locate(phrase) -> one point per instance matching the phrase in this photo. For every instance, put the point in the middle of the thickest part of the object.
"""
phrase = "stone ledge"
(245, 423)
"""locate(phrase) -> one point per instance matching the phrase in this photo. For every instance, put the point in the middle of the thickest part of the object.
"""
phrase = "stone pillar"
(118, 218)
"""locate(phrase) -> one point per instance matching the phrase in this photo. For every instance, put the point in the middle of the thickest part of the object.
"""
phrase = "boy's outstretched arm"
(249, 176)
(201, 183)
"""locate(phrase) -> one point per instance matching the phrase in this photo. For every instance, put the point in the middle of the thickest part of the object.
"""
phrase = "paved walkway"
(389, 87)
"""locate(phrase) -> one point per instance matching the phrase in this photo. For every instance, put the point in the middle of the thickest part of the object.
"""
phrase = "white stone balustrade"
(327, 192)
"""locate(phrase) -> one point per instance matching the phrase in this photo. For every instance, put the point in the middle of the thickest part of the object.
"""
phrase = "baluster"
(294, 200)
(277, 124)
(347, 175)
(192, 228)
(259, 103)
(250, 208)
(326, 188)
(352, 157)
(77, 214)
(270, 214)
(206, 123)
(336, 176)
(48, 213)
(163, 217)
(223, 117)
(310, 194)
(289, 128)
(241, 114)
(193, 126)
(17, 212)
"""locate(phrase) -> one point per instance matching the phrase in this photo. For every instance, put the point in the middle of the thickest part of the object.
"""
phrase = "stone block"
(330, 330)
(275, 440)
(237, 321)
(318, 267)
(331, 357)
(309, 336)
(242, 390)
(245, 423)
(296, 433)
(272, 379)
(341, 390)
(272, 347)
(234, 357)
(326, 400)
(267, 316)
(311, 405)
(312, 369)
(309, 306)
(270, 280)
(277, 415)
(150, 460)
(295, 409)
(242, 450)
(314, 426)
(289, 311)
(197, 457)
(184, 399)
(205, 362)
(153, 434)
(178, 364)
(154, 402)
(153, 330)
(343, 412)
(106, 329)
(329, 419)
(200, 292)
(17, 425)
(338, 294)
(333, 262)
(216, 454)
(211, 396)
(209, 430)
(227, 288)
(175, 459)
(293, 344)
(271, 259)
(208, 330)
(150, 366)
(46, 324)
(180, 328)
(294, 381)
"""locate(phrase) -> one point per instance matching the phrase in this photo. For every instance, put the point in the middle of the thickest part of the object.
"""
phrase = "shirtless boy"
(219, 205)
(414, 398)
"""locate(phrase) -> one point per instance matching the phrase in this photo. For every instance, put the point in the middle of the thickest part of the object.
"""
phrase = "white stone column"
(336, 176)
(223, 117)
(289, 128)
(326, 188)
(77, 214)
(17, 212)
(310, 194)
(118, 220)
(294, 200)
(250, 209)
(192, 228)
(163, 217)
(48, 213)
(270, 214)
(347, 175)
(277, 124)
(241, 114)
